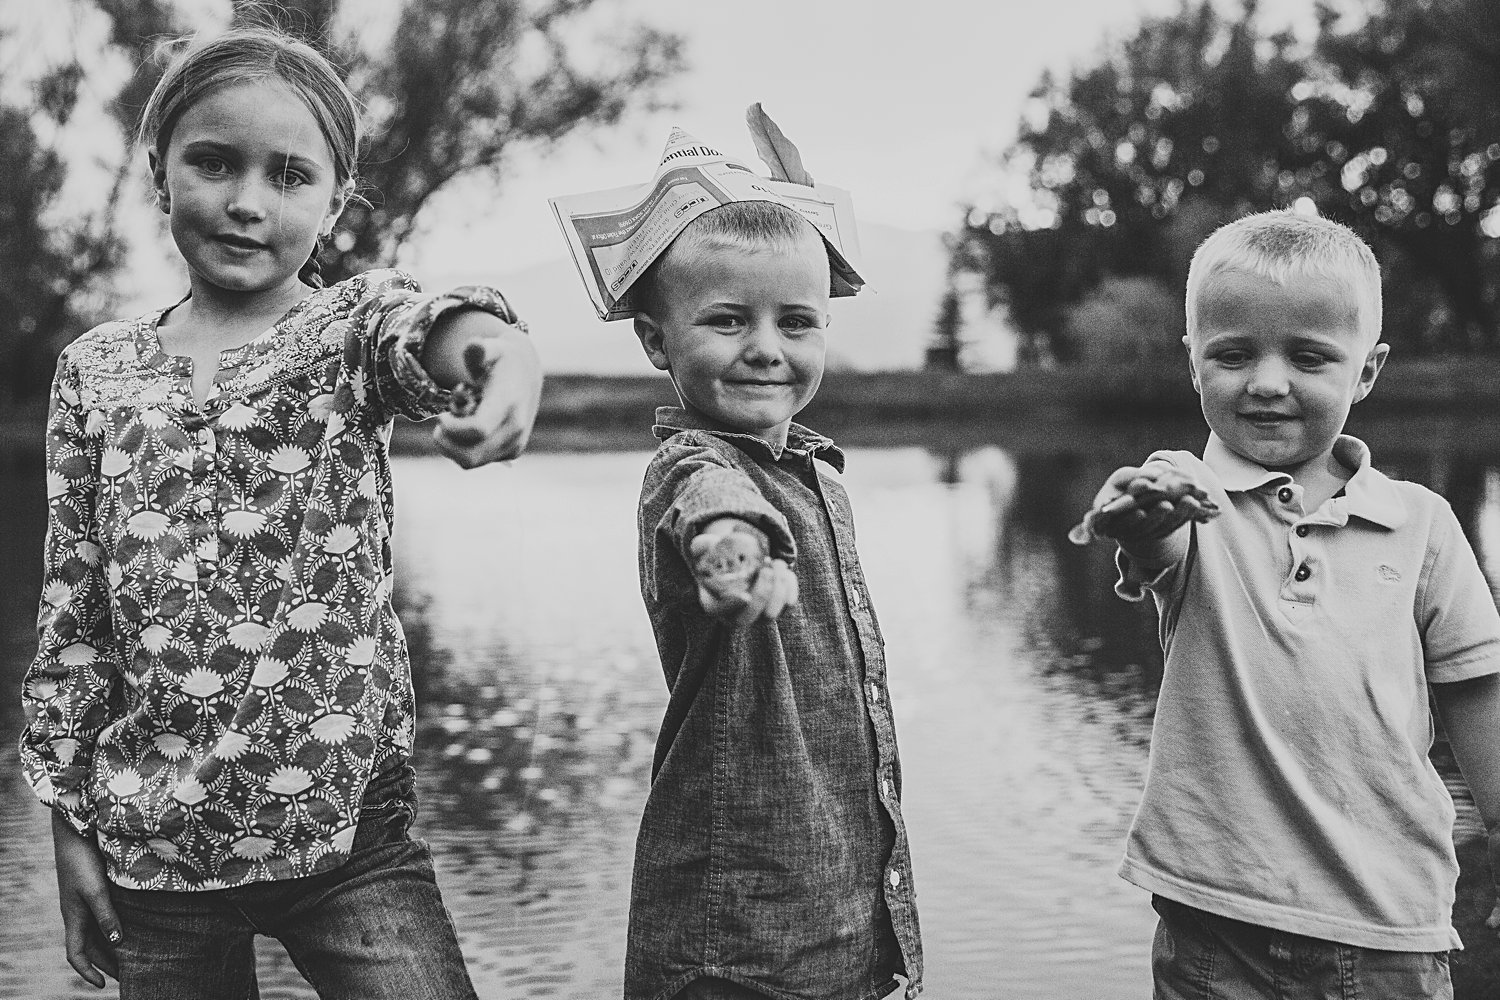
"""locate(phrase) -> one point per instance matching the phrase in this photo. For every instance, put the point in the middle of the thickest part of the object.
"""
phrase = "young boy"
(1296, 837)
(772, 858)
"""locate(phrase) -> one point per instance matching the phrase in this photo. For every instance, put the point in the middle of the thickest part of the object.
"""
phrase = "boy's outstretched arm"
(484, 354)
(1470, 711)
(737, 578)
(1146, 510)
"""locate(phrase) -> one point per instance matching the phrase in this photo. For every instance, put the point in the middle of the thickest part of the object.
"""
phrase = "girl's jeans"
(1202, 956)
(374, 928)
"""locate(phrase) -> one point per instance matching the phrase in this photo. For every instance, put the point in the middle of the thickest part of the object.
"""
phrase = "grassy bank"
(1466, 384)
(585, 411)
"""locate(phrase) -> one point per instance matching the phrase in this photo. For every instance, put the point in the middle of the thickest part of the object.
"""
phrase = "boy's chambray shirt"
(219, 668)
(1289, 783)
(772, 851)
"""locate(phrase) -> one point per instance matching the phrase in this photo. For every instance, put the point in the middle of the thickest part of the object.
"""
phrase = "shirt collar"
(1368, 494)
(799, 439)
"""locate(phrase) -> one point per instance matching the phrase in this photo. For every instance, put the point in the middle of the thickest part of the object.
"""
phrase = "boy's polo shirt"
(1289, 783)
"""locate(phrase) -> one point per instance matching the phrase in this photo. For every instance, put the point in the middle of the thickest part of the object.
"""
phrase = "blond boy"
(1296, 838)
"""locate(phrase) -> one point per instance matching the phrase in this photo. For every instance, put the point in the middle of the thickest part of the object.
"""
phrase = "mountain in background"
(885, 327)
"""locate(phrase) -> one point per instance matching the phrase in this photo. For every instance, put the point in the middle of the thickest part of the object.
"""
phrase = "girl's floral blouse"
(219, 669)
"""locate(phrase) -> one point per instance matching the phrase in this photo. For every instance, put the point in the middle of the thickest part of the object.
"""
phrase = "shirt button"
(854, 599)
(1302, 530)
(1302, 572)
(885, 787)
(1284, 494)
(874, 692)
(204, 505)
(895, 879)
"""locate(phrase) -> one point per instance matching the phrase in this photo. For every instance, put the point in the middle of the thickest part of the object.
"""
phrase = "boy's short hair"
(1281, 245)
(752, 224)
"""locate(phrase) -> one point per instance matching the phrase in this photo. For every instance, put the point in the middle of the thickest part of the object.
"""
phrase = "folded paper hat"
(615, 235)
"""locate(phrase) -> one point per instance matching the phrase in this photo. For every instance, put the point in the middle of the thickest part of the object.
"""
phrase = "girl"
(221, 706)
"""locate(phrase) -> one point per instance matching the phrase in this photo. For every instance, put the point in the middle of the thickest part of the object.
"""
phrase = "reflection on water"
(1024, 692)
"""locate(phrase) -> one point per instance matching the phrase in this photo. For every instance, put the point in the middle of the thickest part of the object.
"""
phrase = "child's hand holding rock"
(494, 407)
(1146, 503)
(736, 575)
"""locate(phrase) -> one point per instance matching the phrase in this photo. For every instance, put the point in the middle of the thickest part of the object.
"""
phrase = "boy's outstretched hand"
(737, 578)
(1144, 504)
(496, 402)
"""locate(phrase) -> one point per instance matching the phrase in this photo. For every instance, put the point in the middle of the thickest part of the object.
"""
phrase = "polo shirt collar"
(1368, 494)
(801, 440)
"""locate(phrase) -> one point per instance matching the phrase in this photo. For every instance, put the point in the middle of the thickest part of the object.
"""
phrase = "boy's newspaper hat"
(615, 235)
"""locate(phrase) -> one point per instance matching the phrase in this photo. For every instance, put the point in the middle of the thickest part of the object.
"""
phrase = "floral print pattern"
(219, 669)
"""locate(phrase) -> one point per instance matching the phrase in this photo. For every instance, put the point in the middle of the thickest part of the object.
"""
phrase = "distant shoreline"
(1436, 397)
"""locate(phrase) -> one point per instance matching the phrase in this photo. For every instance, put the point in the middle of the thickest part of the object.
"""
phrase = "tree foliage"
(56, 265)
(459, 86)
(1386, 121)
(453, 90)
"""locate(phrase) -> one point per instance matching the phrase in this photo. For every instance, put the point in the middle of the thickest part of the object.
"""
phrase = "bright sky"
(898, 101)
(903, 102)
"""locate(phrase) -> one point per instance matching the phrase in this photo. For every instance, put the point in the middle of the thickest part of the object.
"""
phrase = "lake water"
(1024, 694)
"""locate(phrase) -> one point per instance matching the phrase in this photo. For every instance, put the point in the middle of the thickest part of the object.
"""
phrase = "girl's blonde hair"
(1282, 245)
(254, 55)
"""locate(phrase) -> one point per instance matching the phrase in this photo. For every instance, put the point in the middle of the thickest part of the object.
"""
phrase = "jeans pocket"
(387, 810)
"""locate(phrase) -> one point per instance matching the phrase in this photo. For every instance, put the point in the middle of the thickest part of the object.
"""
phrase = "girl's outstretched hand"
(495, 406)
(90, 928)
(737, 578)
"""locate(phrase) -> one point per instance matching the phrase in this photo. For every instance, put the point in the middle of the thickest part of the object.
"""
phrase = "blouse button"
(1302, 572)
(1302, 530)
(895, 879)
(1284, 494)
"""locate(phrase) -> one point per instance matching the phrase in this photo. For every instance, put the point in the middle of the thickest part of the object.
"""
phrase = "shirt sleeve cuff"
(69, 805)
(714, 493)
(405, 334)
(1137, 579)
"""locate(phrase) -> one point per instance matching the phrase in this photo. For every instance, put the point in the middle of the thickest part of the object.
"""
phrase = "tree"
(55, 265)
(1390, 125)
(457, 88)
(1131, 161)
(453, 91)
(1407, 106)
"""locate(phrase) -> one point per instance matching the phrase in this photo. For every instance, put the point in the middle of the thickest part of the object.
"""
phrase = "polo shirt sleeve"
(1136, 580)
(1455, 609)
(691, 483)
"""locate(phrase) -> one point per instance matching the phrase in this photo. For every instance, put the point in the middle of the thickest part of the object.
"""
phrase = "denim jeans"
(374, 928)
(1203, 956)
(707, 988)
